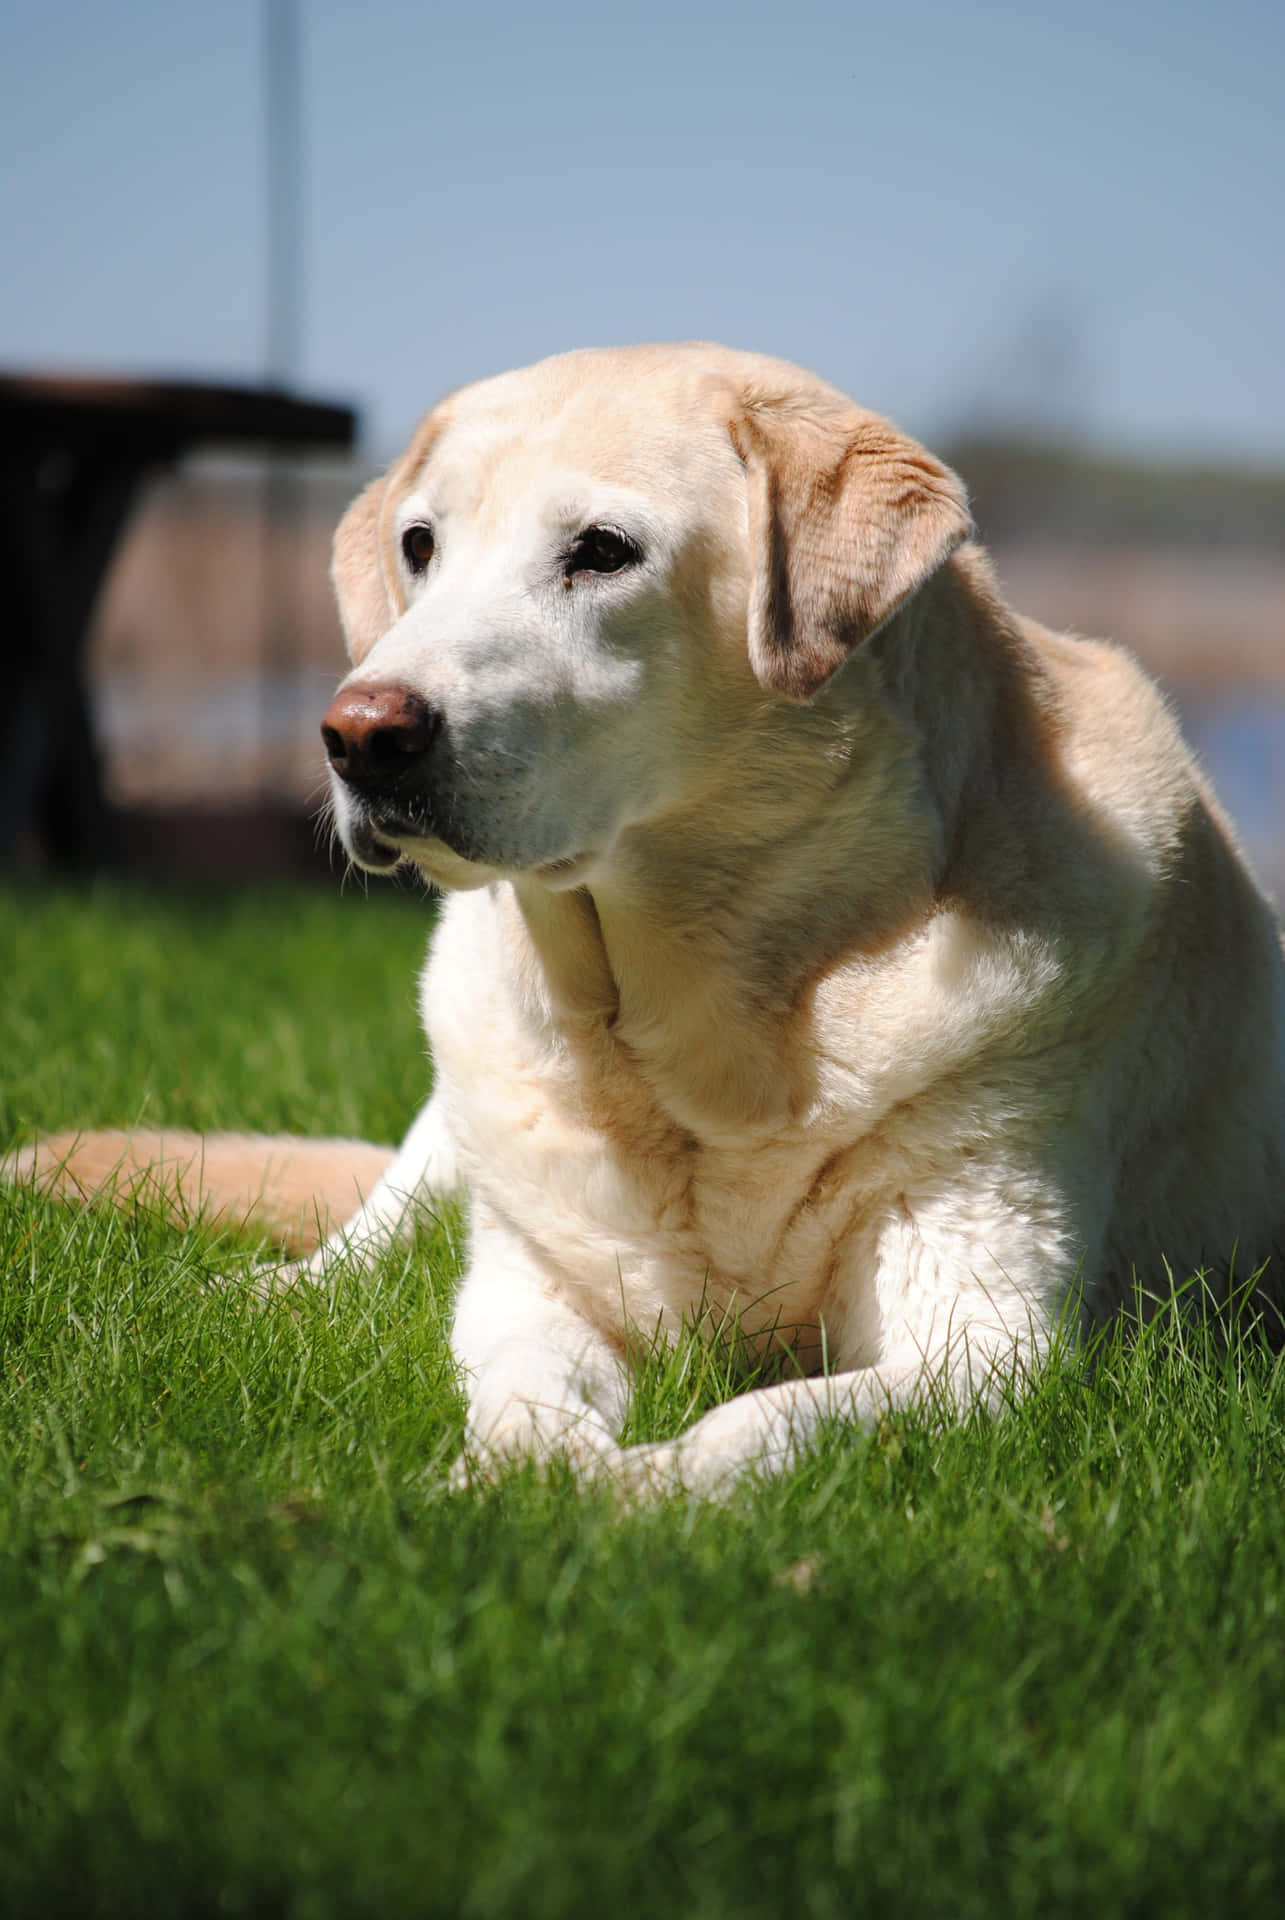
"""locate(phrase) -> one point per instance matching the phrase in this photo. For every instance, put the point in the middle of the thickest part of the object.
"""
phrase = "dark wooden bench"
(72, 454)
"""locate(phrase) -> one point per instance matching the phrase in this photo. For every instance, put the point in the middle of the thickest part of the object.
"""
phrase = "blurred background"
(245, 247)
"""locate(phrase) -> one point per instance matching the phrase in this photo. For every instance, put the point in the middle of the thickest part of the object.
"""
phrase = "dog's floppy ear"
(357, 571)
(848, 518)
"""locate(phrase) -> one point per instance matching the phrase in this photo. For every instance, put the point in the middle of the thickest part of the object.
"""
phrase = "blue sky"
(1071, 213)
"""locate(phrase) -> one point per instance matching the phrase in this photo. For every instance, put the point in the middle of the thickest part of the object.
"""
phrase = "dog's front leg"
(540, 1379)
(965, 1295)
(764, 1432)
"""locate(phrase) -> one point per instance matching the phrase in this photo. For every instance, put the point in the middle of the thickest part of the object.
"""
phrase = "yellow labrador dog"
(825, 943)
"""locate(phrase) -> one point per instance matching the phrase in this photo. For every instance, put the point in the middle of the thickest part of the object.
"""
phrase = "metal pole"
(285, 194)
(283, 317)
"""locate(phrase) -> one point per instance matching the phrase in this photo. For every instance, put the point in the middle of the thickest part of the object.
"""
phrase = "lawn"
(256, 1660)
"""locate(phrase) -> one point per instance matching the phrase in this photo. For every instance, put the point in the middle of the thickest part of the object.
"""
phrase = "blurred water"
(1241, 744)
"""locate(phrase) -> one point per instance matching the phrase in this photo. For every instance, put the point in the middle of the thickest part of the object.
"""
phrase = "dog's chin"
(380, 849)
(379, 843)
(376, 852)
(457, 873)
(560, 875)
(368, 849)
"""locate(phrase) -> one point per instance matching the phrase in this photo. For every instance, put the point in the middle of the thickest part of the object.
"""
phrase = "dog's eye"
(600, 550)
(417, 547)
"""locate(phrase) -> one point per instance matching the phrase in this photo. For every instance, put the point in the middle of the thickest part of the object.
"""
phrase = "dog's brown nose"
(374, 735)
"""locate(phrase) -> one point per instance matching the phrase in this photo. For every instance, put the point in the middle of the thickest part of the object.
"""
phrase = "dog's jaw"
(368, 849)
(378, 839)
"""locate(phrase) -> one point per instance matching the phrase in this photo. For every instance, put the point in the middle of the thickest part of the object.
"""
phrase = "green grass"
(255, 1660)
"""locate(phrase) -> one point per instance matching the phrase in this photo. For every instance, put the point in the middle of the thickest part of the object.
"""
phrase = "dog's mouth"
(564, 873)
(369, 848)
(380, 834)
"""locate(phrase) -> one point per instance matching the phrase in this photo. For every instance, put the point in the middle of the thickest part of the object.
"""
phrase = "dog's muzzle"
(380, 740)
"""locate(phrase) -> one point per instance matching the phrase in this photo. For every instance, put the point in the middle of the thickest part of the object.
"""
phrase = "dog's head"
(583, 582)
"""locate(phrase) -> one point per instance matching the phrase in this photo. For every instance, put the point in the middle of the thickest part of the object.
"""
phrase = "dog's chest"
(641, 1216)
(644, 1224)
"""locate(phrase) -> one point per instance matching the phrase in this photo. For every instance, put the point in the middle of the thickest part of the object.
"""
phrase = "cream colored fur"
(826, 944)
(295, 1190)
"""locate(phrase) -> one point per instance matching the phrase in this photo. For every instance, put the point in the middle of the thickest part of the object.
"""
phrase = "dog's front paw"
(464, 1475)
(648, 1472)
(585, 1446)
(677, 1466)
(726, 1445)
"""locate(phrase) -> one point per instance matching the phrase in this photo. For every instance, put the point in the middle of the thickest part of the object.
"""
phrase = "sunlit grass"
(256, 1659)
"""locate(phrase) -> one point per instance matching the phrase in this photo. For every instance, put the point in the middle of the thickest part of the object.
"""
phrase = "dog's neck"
(686, 961)
(691, 954)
